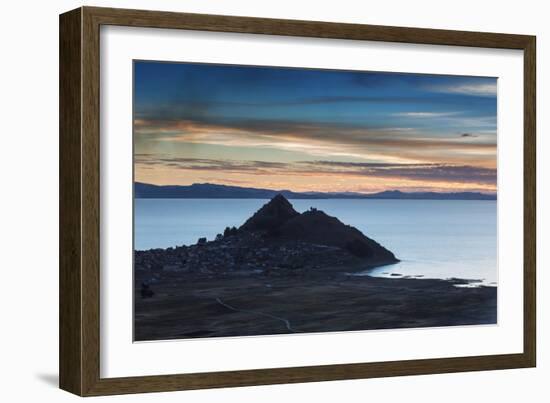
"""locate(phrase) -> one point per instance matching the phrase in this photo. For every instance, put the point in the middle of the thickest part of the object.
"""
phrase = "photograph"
(275, 200)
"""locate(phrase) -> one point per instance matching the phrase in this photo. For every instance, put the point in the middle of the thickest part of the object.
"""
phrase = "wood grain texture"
(70, 273)
(316, 29)
(530, 202)
(90, 202)
(80, 200)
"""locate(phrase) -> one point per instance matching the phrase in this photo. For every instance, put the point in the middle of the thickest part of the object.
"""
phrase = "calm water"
(432, 238)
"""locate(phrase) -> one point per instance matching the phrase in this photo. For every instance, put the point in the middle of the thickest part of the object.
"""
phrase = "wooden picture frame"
(79, 278)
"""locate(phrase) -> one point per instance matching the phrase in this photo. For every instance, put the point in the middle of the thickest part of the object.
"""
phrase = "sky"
(312, 129)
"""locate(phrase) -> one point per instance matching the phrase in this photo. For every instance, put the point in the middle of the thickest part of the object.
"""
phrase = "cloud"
(322, 141)
(429, 172)
(196, 108)
(425, 114)
(418, 172)
(257, 132)
(205, 164)
(472, 89)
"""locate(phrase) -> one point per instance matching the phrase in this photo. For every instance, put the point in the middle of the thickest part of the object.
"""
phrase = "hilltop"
(278, 220)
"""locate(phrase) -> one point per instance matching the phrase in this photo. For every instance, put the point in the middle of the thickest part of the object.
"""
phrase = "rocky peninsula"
(288, 272)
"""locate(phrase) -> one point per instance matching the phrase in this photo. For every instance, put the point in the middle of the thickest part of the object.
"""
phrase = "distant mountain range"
(212, 191)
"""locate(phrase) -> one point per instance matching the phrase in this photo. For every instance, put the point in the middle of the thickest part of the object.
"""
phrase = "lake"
(432, 238)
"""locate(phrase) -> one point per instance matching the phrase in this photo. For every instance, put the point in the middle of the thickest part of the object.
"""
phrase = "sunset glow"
(313, 130)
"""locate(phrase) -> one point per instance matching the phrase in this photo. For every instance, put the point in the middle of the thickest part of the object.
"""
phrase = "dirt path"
(285, 321)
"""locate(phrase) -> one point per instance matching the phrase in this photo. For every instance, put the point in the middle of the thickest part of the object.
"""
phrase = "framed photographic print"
(249, 201)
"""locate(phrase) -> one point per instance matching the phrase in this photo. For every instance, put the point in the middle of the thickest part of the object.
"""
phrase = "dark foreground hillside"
(261, 304)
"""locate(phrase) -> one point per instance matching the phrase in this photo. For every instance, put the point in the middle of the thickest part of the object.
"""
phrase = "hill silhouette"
(271, 216)
(277, 219)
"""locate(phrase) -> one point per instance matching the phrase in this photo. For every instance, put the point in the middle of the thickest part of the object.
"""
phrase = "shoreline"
(457, 281)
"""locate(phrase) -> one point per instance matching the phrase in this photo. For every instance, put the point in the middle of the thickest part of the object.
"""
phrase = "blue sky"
(353, 131)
